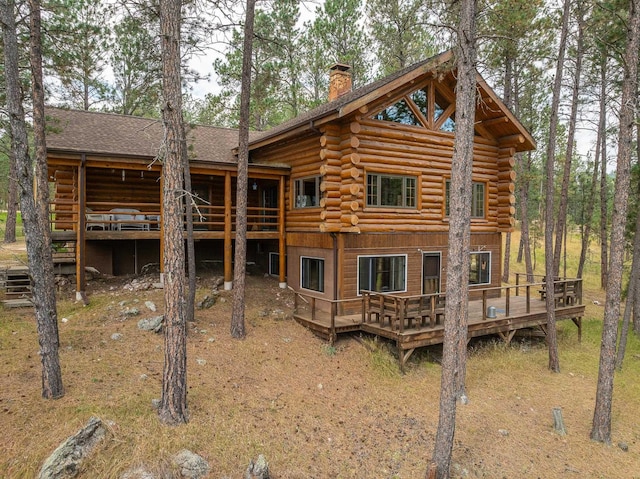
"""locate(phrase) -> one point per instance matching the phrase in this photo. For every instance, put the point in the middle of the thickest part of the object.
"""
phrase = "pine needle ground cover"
(314, 411)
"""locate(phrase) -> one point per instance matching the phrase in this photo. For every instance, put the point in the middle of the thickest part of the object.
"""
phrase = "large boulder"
(66, 459)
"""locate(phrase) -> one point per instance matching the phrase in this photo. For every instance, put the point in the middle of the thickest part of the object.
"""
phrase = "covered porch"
(418, 321)
(98, 201)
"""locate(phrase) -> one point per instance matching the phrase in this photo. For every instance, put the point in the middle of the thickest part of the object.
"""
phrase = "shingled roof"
(122, 135)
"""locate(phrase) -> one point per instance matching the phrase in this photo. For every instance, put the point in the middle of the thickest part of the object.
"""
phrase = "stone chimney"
(339, 80)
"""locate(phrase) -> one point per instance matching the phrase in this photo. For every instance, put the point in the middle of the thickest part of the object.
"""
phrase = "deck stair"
(16, 284)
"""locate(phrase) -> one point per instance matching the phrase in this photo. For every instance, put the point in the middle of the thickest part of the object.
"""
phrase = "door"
(430, 273)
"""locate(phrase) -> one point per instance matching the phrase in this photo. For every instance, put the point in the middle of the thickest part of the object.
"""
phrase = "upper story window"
(391, 190)
(478, 198)
(307, 192)
(427, 107)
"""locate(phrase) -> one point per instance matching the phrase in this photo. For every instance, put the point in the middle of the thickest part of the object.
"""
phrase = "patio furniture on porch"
(96, 221)
(128, 219)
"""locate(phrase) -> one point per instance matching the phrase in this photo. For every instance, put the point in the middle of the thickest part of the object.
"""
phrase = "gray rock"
(129, 312)
(624, 446)
(151, 306)
(503, 432)
(116, 336)
(155, 403)
(151, 324)
(258, 469)
(208, 301)
(191, 465)
(139, 472)
(66, 460)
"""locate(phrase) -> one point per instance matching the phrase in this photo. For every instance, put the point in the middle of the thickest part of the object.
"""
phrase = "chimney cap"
(342, 67)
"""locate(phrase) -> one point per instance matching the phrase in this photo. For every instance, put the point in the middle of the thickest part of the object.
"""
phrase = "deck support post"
(81, 281)
(507, 336)
(404, 356)
(228, 245)
(578, 323)
(282, 238)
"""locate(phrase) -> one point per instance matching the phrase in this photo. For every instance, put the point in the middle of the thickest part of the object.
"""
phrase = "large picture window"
(480, 268)
(478, 195)
(307, 192)
(391, 190)
(312, 273)
(382, 273)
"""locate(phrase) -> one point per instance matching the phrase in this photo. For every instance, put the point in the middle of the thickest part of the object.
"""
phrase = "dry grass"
(313, 410)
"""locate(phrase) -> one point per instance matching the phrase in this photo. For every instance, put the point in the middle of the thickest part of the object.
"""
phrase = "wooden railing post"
(312, 305)
(507, 301)
(333, 322)
(528, 302)
(517, 284)
(484, 304)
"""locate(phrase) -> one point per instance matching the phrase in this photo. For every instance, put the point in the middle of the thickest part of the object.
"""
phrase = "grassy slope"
(313, 411)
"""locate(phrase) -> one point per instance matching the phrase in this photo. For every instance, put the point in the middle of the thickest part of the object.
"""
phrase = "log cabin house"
(345, 199)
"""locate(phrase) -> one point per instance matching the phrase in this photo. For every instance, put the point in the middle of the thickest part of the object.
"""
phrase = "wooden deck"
(518, 307)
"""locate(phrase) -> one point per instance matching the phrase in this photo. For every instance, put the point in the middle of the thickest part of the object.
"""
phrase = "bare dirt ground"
(313, 410)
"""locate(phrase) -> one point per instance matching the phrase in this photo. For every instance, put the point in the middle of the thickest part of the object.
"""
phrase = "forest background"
(105, 55)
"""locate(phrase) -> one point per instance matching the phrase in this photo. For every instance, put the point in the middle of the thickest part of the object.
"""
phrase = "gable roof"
(78, 131)
(504, 125)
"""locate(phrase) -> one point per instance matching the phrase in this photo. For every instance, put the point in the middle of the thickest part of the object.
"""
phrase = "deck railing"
(316, 308)
(404, 312)
(121, 216)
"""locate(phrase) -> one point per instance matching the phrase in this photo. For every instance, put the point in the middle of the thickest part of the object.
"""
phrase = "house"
(348, 197)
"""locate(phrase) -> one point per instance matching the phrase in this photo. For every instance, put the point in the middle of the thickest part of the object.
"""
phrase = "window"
(480, 268)
(307, 192)
(312, 273)
(477, 199)
(382, 273)
(390, 190)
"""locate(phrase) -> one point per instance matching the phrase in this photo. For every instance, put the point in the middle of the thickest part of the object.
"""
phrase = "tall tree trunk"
(239, 272)
(589, 207)
(636, 284)
(550, 271)
(601, 430)
(454, 353)
(189, 306)
(508, 100)
(173, 404)
(604, 184)
(631, 293)
(525, 238)
(561, 224)
(36, 225)
(12, 200)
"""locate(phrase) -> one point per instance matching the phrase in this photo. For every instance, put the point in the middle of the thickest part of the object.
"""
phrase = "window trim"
(317, 258)
(274, 256)
(297, 183)
(406, 267)
(379, 175)
(485, 198)
(471, 253)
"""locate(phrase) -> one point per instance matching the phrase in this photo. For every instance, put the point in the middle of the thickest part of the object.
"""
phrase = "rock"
(503, 432)
(191, 465)
(207, 302)
(258, 469)
(151, 324)
(217, 282)
(139, 472)
(155, 403)
(66, 459)
(129, 312)
(116, 336)
(151, 306)
(624, 446)
(201, 362)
